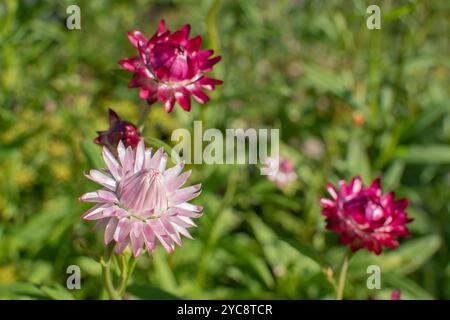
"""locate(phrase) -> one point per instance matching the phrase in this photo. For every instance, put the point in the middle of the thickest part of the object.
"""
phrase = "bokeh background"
(348, 101)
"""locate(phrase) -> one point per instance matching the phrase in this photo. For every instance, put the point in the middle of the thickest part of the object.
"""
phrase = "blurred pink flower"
(141, 202)
(119, 130)
(283, 171)
(364, 216)
(170, 67)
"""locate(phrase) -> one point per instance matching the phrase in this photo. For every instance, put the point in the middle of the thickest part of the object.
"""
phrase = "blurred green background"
(348, 101)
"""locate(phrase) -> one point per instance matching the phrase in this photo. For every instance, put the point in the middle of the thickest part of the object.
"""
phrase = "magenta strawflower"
(119, 130)
(141, 201)
(171, 67)
(364, 216)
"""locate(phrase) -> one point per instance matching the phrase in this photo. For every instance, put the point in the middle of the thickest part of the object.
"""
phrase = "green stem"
(213, 33)
(127, 271)
(214, 39)
(343, 275)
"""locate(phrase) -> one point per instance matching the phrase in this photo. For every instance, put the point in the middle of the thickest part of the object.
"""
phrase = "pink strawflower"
(282, 171)
(119, 130)
(364, 216)
(170, 67)
(141, 201)
(395, 295)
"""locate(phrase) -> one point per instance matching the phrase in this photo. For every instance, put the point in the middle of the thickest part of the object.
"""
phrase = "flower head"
(141, 202)
(396, 294)
(281, 171)
(119, 130)
(170, 67)
(364, 217)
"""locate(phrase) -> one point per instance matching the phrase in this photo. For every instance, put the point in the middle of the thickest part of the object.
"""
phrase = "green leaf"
(394, 174)
(92, 153)
(57, 293)
(277, 251)
(409, 257)
(285, 202)
(20, 290)
(409, 288)
(310, 253)
(324, 79)
(39, 227)
(400, 11)
(261, 268)
(225, 221)
(425, 154)
(358, 161)
(163, 270)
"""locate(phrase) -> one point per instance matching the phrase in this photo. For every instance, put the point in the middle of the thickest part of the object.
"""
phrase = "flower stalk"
(105, 262)
(126, 270)
(143, 113)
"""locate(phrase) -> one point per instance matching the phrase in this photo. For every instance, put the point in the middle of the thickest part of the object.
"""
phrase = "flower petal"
(176, 182)
(110, 230)
(140, 156)
(102, 179)
(136, 38)
(112, 164)
(99, 196)
(184, 194)
(122, 230)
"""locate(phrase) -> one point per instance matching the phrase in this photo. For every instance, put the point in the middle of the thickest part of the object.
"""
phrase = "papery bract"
(364, 216)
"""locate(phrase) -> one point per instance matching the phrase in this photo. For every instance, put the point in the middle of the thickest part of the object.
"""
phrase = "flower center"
(144, 194)
(363, 213)
(374, 211)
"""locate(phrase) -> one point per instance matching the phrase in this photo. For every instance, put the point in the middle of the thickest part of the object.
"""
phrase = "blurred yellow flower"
(58, 149)
(61, 171)
(8, 136)
(25, 177)
(7, 274)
